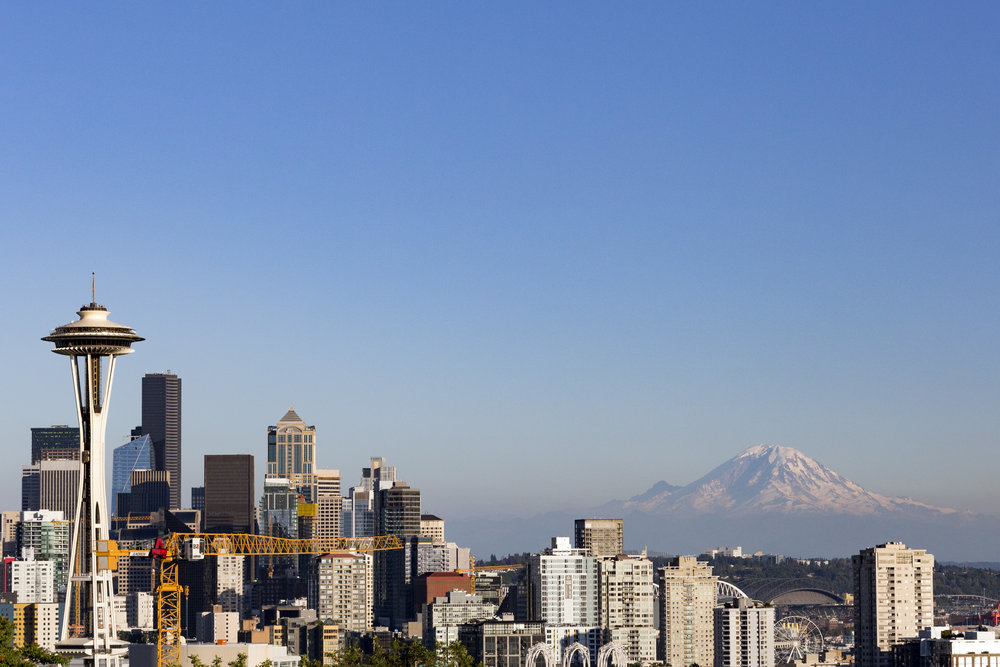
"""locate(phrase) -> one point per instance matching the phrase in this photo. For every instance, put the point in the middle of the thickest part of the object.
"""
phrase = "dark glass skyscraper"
(48, 438)
(228, 493)
(161, 421)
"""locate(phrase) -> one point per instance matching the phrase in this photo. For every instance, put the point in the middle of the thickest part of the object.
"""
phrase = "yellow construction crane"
(196, 546)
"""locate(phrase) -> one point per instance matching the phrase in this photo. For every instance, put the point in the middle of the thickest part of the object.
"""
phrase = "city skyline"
(488, 234)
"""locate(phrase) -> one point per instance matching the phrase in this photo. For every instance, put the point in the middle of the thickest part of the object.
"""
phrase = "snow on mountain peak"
(773, 478)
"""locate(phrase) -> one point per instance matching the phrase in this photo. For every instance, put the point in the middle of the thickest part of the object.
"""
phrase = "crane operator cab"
(194, 548)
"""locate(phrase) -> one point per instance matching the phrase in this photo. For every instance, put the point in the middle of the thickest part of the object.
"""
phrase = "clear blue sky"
(538, 255)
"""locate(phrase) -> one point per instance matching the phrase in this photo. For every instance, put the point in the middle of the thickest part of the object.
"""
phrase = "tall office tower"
(58, 487)
(150, 492)
(290, 453)
(31, 488)
(565, 585)
(687, 600)
(377, 474)
(60, 441)
(279, 517)
(198, 498)
(134, 455)
(47, 535)
(893, 599)
(279, 508)
(627, 606)
(89, 612)
(341, 590)
(397, 512)
(161, 421)
(744, 635)
(357, 519)
(329, 503)
(228, 493)
(358, 516)
(600, 537)
(50, 485)
(432, 526)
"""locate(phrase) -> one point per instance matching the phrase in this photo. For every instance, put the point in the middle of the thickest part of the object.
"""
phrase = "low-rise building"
(938, 647)
(33, 623)
(500, 643)
(442, 617)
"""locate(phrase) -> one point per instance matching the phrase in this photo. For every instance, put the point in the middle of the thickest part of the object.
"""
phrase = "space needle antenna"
(93, 287)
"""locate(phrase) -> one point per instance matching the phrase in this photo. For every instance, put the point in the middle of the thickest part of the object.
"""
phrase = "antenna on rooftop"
(93, 290)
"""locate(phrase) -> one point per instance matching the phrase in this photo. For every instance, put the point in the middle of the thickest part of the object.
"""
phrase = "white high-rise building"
(32, 580)
(139, 610)
(687, 599)
(893, 599)
(744, 635)
(565, 585)
(229, 583)
(627, 606)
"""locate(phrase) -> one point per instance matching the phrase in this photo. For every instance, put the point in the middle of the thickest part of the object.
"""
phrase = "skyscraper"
(600, 537)
(397, 512)
(893, 599)
(687, 598)
(134, 455)
(329, 503)
(54, 438)
(290, 454)
(229, 493)
(161, 421)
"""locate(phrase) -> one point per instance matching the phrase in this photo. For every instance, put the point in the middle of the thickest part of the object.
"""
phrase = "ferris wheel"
(794, 637)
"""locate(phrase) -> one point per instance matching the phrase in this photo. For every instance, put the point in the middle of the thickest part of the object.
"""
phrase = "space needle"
(88, 614)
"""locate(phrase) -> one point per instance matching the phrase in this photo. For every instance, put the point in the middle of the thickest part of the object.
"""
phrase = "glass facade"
(134, 455)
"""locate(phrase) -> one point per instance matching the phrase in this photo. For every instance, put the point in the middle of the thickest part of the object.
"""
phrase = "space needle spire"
(87, 625)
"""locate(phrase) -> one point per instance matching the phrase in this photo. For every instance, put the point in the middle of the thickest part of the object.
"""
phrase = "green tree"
(348, 656)
(454, 654)
(26, 656)
(239, 661)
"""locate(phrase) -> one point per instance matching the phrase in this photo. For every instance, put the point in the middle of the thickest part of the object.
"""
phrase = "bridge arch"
(612, 654)
(542, 650)
(572, 650)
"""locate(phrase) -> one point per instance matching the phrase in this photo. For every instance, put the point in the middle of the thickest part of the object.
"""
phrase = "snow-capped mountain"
(770, 478)
(769, 498)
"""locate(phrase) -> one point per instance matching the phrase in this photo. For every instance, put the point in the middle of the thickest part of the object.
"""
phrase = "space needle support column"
(88, 624)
